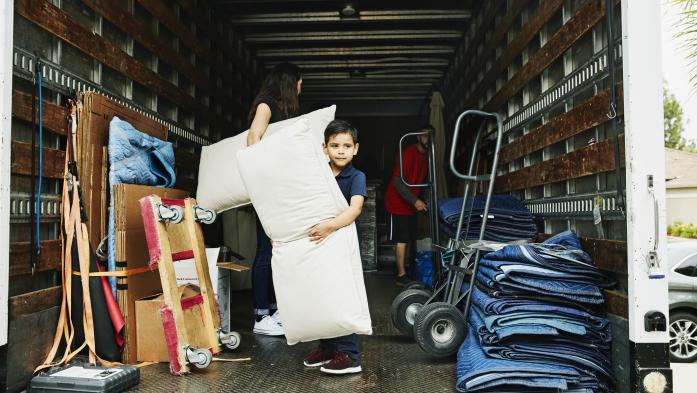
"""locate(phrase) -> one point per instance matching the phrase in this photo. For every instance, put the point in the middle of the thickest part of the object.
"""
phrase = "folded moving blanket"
(586, 359)
(508, 219)
(478, 373)
(532, 305)
(134, 158)
(505, 206)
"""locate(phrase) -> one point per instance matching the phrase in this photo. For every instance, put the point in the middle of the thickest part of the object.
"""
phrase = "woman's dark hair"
(340, 127)
(281, 84)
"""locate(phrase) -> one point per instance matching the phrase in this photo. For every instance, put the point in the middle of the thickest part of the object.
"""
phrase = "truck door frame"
(645, 180)
(6, 36)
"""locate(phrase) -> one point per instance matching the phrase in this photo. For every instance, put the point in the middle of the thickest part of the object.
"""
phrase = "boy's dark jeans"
(348, 344)
(262, 279)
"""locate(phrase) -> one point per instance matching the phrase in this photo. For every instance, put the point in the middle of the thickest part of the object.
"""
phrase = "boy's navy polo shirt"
(352, 182)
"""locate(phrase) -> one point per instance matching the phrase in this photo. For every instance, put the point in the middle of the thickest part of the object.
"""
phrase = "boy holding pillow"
(340, 355)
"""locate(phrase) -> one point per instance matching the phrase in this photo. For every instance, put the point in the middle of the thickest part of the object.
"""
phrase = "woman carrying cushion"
(277, 100)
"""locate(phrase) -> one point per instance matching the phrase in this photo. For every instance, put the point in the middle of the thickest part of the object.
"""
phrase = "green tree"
(687, 34)
(672, 121)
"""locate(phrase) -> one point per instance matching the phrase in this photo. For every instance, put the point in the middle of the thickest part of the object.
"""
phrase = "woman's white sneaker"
(277, 317)
(268, 326)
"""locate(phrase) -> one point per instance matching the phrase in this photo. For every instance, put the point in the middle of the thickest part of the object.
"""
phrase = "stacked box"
(132, 253)
(367, 229)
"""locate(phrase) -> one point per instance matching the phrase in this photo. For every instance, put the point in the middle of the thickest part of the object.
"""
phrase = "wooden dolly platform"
(159, 217)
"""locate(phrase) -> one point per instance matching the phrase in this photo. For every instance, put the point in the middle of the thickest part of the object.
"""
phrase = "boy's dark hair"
(428, 127)
(338, 126)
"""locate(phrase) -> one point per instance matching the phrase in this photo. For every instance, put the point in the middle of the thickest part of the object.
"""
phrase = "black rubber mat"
(391, 363)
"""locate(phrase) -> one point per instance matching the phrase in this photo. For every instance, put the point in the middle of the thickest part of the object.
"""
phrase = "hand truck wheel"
(173, 214)
(231, 340)
(439, 329)
(204, 216)
(405, 307)
(200, 358)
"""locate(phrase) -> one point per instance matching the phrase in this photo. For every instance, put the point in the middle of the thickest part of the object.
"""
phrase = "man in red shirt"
(402, 202)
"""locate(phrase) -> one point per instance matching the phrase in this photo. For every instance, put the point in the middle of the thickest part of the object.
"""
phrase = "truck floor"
(391, 362)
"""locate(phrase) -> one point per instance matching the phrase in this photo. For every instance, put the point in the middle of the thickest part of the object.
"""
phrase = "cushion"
(320, 291)
(290, 183)
(219, 183)
(292, 189)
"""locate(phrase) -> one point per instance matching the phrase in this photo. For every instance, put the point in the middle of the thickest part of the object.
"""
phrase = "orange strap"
(74, 230)
(121, 273)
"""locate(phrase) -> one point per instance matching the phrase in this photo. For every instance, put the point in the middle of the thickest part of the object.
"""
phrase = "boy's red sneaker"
(318, 357)
(341, 364)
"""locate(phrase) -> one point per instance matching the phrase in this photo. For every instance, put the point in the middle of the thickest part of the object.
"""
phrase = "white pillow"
(219, 184)
(292, 189)
(289, 182)
(319, 288)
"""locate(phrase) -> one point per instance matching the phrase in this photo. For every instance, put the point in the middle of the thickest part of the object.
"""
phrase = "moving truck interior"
(581, 114)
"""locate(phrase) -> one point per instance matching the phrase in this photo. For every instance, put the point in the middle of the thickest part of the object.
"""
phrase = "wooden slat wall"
(228, 85)
(616, 303)
(121, 18)
(53, 115)
(49, 259)
(62, 25)
(457, 83)
(529, 31)
(608, 255)
(54, 122)
(589, 160)
(581, 118)
(597, 158)
(53, 160)
(584, 20)
(186, 36)
(33, 302)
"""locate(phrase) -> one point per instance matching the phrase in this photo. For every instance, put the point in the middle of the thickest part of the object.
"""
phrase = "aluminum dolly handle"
(401, 158)
(433, 191)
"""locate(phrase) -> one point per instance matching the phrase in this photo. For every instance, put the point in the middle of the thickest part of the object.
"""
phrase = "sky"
(676, 69)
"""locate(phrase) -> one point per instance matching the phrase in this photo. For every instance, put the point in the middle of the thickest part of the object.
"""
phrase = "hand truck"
(178, 220)
(438, 322)
(415, 293)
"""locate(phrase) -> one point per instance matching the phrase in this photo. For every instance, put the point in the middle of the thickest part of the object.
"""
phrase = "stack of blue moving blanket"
(508, 219)
(534, 324)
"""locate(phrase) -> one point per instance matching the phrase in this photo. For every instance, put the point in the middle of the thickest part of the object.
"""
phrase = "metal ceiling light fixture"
(348, 12)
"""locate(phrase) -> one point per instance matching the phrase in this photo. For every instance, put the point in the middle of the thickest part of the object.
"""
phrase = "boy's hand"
(420, 205)
(320, 231)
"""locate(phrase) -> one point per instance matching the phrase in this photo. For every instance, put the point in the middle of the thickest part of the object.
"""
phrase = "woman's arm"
(262, 117)
(324, 229)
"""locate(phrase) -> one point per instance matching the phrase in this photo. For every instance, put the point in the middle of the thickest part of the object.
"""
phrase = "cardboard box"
(152, 346)
(132, 252)
(92, 139)
(220, 273)
(239, 227)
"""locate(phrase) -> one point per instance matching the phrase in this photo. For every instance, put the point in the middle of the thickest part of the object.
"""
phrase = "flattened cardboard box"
(132, 252)
(92, 140)
(152, 346)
